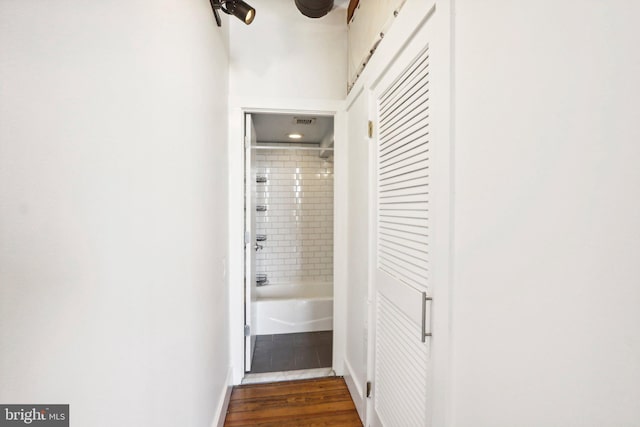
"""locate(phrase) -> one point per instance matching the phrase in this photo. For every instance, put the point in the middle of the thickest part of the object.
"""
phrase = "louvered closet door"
(402, 229)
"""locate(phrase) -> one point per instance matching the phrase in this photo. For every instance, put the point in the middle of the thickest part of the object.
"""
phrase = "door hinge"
(247, 330)
(368, 388)
(370, 129)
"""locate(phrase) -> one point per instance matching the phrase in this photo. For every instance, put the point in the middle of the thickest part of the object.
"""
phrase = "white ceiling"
(276, 127)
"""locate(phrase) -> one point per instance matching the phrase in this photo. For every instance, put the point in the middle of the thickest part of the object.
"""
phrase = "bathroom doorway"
(289, 198)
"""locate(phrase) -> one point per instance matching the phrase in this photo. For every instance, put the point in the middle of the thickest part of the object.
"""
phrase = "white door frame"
(235, 150)
(250, 241)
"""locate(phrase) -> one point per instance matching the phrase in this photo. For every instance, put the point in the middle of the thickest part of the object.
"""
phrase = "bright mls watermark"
(34, 415)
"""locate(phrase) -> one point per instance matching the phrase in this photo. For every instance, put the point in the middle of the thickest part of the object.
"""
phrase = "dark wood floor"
(315, 402)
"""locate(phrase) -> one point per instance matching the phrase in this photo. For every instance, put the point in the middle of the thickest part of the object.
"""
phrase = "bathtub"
(290, 308)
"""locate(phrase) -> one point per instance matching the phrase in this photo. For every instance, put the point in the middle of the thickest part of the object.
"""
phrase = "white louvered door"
(402, 287)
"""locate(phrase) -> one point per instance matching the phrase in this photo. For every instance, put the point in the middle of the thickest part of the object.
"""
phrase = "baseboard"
(355, 389)
(223, 402)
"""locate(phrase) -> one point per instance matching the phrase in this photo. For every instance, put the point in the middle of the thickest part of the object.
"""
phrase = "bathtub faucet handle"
(258, 247)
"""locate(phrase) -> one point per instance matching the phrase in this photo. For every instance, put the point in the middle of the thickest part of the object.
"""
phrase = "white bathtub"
(290, 308)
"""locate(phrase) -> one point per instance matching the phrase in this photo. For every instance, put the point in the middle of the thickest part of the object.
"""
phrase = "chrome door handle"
(426, 334)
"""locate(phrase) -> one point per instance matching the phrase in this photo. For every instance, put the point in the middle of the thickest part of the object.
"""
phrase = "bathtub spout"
(262, 283)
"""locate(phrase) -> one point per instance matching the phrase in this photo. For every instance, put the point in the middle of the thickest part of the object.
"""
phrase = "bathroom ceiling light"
(237, 8)
(295, 135)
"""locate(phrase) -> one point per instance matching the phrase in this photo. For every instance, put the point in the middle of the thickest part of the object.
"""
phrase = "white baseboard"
(356, 391)
(223, 402)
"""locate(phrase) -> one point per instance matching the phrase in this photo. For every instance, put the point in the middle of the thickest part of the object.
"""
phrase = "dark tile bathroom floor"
(288, 352)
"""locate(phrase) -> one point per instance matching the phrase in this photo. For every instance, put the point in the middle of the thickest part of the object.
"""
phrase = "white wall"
(547, 230)
(285, 62)
(113, 296)
(284, 54)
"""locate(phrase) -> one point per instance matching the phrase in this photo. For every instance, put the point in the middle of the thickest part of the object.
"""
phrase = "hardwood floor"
(315, 402)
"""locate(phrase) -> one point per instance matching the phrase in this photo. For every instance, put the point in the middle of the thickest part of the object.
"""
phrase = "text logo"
(34, 415)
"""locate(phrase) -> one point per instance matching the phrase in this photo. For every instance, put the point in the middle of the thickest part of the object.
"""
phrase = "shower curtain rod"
(288, 147)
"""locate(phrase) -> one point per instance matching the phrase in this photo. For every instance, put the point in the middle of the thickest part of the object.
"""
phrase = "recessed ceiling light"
(295, 135)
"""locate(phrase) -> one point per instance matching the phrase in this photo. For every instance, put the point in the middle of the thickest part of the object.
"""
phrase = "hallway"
(485, 218)
(320, 401)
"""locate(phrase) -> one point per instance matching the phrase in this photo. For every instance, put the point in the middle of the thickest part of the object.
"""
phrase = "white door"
(401, 266)
(249, 242)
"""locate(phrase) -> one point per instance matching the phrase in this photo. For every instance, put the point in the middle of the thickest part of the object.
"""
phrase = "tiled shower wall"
(298, 221)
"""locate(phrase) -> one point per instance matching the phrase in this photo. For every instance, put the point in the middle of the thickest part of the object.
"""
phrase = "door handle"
(426, 334)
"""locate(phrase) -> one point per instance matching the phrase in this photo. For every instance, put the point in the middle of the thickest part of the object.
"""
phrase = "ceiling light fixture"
(295, 135)
(237, 8)
(315, 8)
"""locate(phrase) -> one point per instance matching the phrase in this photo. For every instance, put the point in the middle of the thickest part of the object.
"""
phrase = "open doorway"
(289, 198)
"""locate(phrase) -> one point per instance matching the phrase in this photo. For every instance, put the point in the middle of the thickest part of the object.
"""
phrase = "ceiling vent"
(304, 120)
(314, 8)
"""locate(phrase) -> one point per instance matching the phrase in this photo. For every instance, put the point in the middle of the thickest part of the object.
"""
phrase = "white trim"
(443, 189)
(371, 289)
(236, 243)
(340, 249)
(238, 106)
(223, 402)
(355, 389)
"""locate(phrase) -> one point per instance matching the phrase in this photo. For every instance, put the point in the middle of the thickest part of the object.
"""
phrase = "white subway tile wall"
(298, 222)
